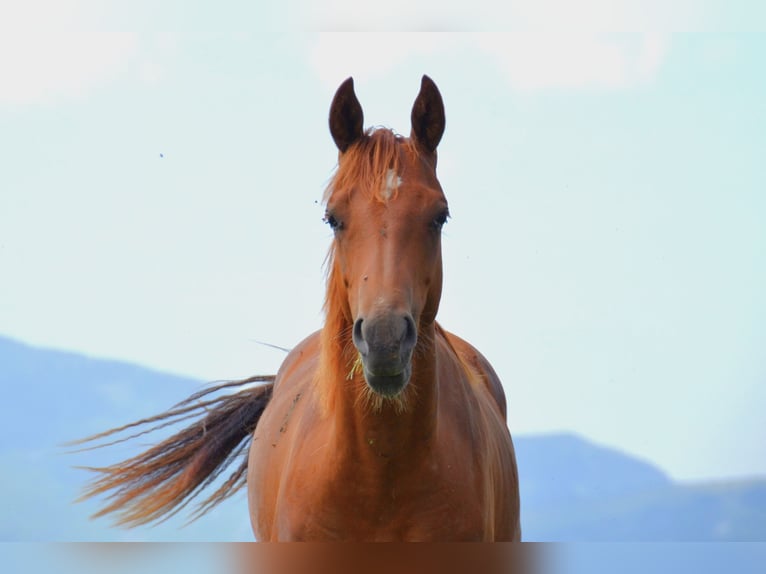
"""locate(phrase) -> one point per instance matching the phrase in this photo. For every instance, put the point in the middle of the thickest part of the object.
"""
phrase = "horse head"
(386, 209)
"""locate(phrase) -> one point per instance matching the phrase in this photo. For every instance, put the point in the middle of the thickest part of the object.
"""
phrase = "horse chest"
(353, 503)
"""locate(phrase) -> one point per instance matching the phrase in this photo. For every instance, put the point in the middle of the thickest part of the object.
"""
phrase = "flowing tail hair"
(158, 483)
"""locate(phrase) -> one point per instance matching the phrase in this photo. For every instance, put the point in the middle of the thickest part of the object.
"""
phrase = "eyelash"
(330, 220)
(439, 221)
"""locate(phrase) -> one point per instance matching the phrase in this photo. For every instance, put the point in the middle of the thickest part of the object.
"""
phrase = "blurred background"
(160, 218)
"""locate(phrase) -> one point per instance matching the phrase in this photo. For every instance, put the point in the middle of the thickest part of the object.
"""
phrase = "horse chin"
(388, 386)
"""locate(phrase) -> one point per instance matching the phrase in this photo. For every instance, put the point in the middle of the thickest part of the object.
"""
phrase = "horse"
(382, 425)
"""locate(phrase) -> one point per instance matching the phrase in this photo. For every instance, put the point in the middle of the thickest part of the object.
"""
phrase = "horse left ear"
(346, 117)
(428, 116)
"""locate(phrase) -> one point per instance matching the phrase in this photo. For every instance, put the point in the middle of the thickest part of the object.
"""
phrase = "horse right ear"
(346, 116)
(428, 116)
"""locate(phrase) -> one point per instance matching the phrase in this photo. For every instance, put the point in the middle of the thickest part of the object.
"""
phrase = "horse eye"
(330, 220)
(440, 220)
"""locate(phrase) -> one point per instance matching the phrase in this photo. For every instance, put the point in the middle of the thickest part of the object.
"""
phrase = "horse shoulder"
(273, 437)
(292, 384)
(481, 366)
(495, 463)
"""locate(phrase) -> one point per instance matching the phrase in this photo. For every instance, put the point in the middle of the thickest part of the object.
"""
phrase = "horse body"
(380, 426)
(383, 426)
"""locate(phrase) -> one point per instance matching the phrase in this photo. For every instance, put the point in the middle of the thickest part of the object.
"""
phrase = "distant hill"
(571, 489)
(50, 397)
(69, 395)
(574, 490)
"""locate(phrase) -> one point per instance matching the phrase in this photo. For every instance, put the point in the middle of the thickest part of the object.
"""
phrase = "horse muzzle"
(385, 344)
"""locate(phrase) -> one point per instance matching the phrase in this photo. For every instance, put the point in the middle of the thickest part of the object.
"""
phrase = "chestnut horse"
(380, 426)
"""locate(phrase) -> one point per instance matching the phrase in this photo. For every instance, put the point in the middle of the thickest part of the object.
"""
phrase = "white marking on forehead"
(392, 182)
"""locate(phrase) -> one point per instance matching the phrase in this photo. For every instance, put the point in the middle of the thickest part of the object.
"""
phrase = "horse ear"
(346, 116)
(428, 116)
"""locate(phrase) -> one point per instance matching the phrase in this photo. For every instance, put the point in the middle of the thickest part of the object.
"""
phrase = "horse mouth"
(388, 385)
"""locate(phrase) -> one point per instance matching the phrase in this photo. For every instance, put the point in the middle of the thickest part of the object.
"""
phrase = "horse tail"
(158, 483)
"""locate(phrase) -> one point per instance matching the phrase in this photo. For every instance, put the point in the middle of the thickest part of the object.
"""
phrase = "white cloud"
(605, 15)
(517, 15)
(530, 61)
(539, 61)
(335, 56)
(425, 15)
(49, 51)
(651, 55)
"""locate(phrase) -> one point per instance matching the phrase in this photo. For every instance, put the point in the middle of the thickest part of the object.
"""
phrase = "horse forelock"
(371, 164)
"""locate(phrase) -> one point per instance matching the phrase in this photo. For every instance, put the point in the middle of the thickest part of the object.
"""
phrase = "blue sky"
(159, 199)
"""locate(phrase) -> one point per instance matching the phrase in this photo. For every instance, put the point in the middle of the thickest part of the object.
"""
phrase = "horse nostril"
(410, 333)
(358, 337)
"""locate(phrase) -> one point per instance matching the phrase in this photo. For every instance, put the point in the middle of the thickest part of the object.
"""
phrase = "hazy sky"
(159, 198)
